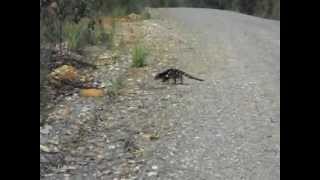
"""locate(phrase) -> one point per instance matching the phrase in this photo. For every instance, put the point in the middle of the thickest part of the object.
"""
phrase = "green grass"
(79, 35)
(72, 33)
(145, 14)
(115, 86)
(112, 33)
(139, 55)
(119, 11)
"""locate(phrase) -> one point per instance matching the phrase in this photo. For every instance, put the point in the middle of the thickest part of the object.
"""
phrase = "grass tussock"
(85, 33)
(115, 86)
(119, 11)
(145, 14)
(139, 55)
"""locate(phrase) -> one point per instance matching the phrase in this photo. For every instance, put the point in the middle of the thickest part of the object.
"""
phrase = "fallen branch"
(80, 62)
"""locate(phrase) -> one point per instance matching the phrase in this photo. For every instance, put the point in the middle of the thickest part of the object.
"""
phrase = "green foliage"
(145, 14)
(115, 86)
(112, 33)
(119, 11)
(80, 35)
(72, 34)
(49, 30)
(275, 12)
(52, 18)
(139, 55)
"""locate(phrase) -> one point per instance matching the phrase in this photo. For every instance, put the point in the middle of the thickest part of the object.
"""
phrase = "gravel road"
(227, 127)
(230, 126)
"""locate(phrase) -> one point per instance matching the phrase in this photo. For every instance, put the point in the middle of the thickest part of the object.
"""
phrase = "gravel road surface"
(230, 126)
(224, 128)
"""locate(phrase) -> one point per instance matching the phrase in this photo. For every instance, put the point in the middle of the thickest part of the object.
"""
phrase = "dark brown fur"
(174, 74)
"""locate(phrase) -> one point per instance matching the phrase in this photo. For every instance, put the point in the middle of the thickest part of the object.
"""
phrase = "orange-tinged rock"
(91, 92)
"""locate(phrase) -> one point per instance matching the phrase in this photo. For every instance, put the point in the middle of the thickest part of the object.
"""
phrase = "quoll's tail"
(192, 77)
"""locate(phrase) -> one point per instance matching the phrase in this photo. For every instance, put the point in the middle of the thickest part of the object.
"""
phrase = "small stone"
(100, 157)
(105, 56)
(131, 108)
(112, 147)
(137, 168)
(44, 148)
(46, 129)
(43, 139)
(55, 142)
(102, 85)
(152, 173)
(131, 161)
(107, 172)
(55, 149)
(65, 168)
(66, 176)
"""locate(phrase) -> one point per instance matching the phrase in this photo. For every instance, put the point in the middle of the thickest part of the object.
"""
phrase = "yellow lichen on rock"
(64, 72)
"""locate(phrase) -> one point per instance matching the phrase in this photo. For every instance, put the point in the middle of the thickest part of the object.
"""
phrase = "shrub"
(72, 33)
(115, 87)
(80, 35)
(145, 14)
(119, 11)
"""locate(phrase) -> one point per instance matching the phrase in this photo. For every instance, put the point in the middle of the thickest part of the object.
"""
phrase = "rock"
(102, 85)
(55, 142)
(152, 173)
(43, 139)
(91, 92)
(105, 56)
(44, 148)
(100, 156)
(150, 137)
(112, 147)
(68, 167)
(132, 108)
(45, 130)
(63, 73)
